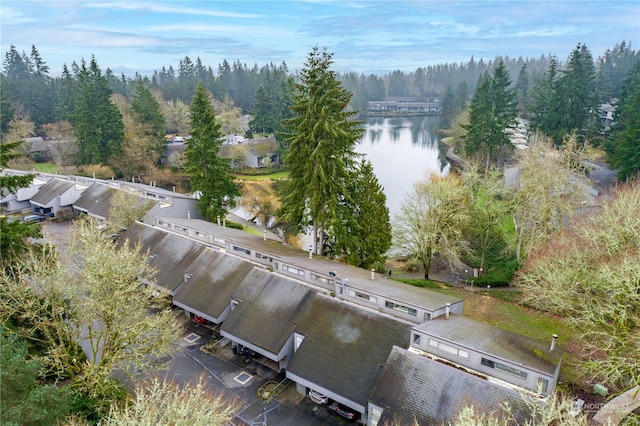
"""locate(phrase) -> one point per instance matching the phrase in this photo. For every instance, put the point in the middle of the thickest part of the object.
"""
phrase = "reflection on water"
(402, 150)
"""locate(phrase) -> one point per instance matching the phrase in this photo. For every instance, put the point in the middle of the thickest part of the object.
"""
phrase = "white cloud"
(159, 7)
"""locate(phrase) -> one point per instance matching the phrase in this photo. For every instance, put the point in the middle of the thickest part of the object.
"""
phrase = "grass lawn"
(252, 231)
(45, 167)
(274, 176)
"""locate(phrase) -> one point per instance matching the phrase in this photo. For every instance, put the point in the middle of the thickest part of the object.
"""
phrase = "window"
(505, 368)
(401, 308)
(449, 349)
(262, 256)
(241, 249)
(298, 341)
(234, 303)
(317, 277)
(543, 384)
(340, 290)
(427, 316)
(293, 270)
(366, 297)
(416, 339)
(376, 413)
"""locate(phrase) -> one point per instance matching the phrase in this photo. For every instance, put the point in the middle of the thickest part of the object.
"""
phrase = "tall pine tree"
(493, 110)
(210, 175)
(147, 112)
(624, 146)
(373, 231)
(97, 120)
(321, 139)
(543, 118)
(575, 100)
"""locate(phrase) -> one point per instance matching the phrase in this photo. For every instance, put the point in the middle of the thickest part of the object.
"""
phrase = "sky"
(365, 36)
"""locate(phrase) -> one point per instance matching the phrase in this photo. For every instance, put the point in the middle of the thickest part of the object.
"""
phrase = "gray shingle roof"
(357, 277)
(344, 347)
(268, 311)
(214, 278)
(169, 254)
(411, 387)
(421, 297)
(51, 190)
(96, 200)
(482, 337)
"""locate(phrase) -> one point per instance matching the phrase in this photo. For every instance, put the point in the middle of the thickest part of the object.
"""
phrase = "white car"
(317, 397)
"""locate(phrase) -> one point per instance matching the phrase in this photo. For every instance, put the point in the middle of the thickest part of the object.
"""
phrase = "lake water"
(402, 151)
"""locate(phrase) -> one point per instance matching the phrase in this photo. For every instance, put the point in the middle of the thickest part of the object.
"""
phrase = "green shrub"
(94, 407)
(420, 283)
(233, 225)
(498, 276)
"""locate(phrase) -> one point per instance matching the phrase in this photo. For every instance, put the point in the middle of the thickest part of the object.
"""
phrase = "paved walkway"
(614, 411)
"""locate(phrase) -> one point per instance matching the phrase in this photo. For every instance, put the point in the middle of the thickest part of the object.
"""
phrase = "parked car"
(199, 320)
(317, 397)
(346, 412)
(34, 218)
(248, 352)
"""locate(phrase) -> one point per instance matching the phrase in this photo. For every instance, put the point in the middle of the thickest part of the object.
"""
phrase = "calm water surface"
(402, 150)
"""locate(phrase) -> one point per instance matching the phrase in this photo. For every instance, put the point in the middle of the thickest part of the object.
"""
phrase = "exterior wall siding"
(473, 360)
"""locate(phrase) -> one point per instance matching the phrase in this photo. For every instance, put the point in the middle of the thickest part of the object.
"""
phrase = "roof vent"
(553, 342)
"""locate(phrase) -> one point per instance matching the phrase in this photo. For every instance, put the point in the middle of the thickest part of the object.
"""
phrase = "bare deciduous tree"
(590, 273)
(259, 198)
(127, 208)
(432, 220)
(91, 295)
(551, 186)
(64, 142)
(161, 402)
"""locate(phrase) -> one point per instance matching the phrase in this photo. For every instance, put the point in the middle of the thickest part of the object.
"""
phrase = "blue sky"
(365, 36)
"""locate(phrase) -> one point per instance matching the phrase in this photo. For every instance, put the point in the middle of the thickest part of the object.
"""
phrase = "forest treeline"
(29, 86)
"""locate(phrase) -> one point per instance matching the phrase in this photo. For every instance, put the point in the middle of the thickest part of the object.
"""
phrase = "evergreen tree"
(15, 65)
(522, 90)
(575, 100)
(210, 175)
(372, 236)
(462, 96)
(447, 108)
(613, 68)
(27, 83)
(321, 159)
(147, 112)
(492, 111)
(23, 400)
(543, 118)
(624, 145)
(65, 95)
(97, 120)
(264, 120)
(14, 234)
